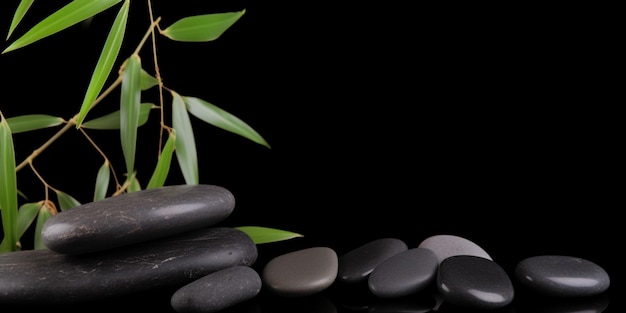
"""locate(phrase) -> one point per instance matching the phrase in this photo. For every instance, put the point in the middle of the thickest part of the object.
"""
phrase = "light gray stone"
(474, 283)
(562, 276)
(136, 217)
(44, 276)
(356, 265)
(217, 291)
(301, 273)
(405, 273)
(446, 246)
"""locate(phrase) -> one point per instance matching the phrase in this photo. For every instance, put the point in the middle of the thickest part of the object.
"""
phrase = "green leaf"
(102, 181)
(200, 28)
(19, 14)
(262, 235)
(66, 202)
(71, 14)
(29, 122)
(163, 165)
(8, 188)
(222, 119)
(147, 81)
(185, 142)
(105, 62)
(134, 184)
(45, 213)
(129, 110)
(111, 121)
(25, 216)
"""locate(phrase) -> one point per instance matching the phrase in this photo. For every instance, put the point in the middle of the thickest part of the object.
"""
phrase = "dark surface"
(497, 124)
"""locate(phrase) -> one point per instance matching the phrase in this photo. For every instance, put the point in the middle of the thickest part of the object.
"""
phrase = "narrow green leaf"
(66, 202)
(260, 235)
(222, 119)
(129, 110)
(29, 122)
(205, 27)
(8, 188)
(147, 81)
(102, 181)
(134, 184)
(71, 14)
(186, 153)
(105, 62)
(163, 164)
(26, 216)
(111, 121)
(19, 14)
(45, 213)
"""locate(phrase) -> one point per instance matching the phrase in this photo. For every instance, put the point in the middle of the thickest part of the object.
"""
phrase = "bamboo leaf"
(260, 235)
(20, 12)
(46, 211)
(8, 188)
(129, 110)
(66, 202)
(111, 121)
(105, 62)
(200, 28)
(163, 164)
(147, 81)
(102, 181)
(25, 216)
(133, 183)
(185, 149)
(29, 122)
(222, 119)
(69, 15)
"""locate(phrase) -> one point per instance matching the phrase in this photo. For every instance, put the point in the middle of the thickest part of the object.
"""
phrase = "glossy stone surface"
(405, 273)
(218, 291)
(356, 265)
(446, 246)
(474, 282)
(562, 276)
(136, 217)
(301, 273)
(44, 276)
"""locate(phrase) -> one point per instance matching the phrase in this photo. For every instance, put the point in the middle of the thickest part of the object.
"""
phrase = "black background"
(499, 124)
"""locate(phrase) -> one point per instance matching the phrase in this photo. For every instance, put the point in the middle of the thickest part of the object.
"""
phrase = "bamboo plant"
(133, 77)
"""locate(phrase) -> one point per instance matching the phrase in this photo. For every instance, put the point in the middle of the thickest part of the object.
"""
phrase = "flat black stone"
(136, 217)
(44, 276)
(356, 265)
(218, 291)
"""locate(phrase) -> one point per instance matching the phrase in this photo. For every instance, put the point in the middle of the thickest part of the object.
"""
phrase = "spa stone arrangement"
(170, 236)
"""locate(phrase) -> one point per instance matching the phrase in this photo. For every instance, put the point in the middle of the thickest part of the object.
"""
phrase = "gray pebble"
(405, 273)
(301, 273)
(217, 291)
(562, 276)
(446, 246)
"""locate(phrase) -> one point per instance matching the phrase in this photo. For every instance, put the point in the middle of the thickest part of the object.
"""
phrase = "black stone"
(44, 276)
(356, 265)
(474, 282)
(136, 217)
(405, 273)
(218, 291)
(562, 276)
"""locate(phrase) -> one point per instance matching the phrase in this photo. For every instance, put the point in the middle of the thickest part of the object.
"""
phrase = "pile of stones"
(170, 236)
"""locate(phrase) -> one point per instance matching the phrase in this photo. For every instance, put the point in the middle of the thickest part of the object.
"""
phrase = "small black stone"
(356, 265)
(474, 282)
(44, 276)
(135, 217)
(217, 291)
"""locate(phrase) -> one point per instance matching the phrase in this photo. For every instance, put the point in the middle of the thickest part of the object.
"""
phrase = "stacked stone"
(136, 242)
(170, 236)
